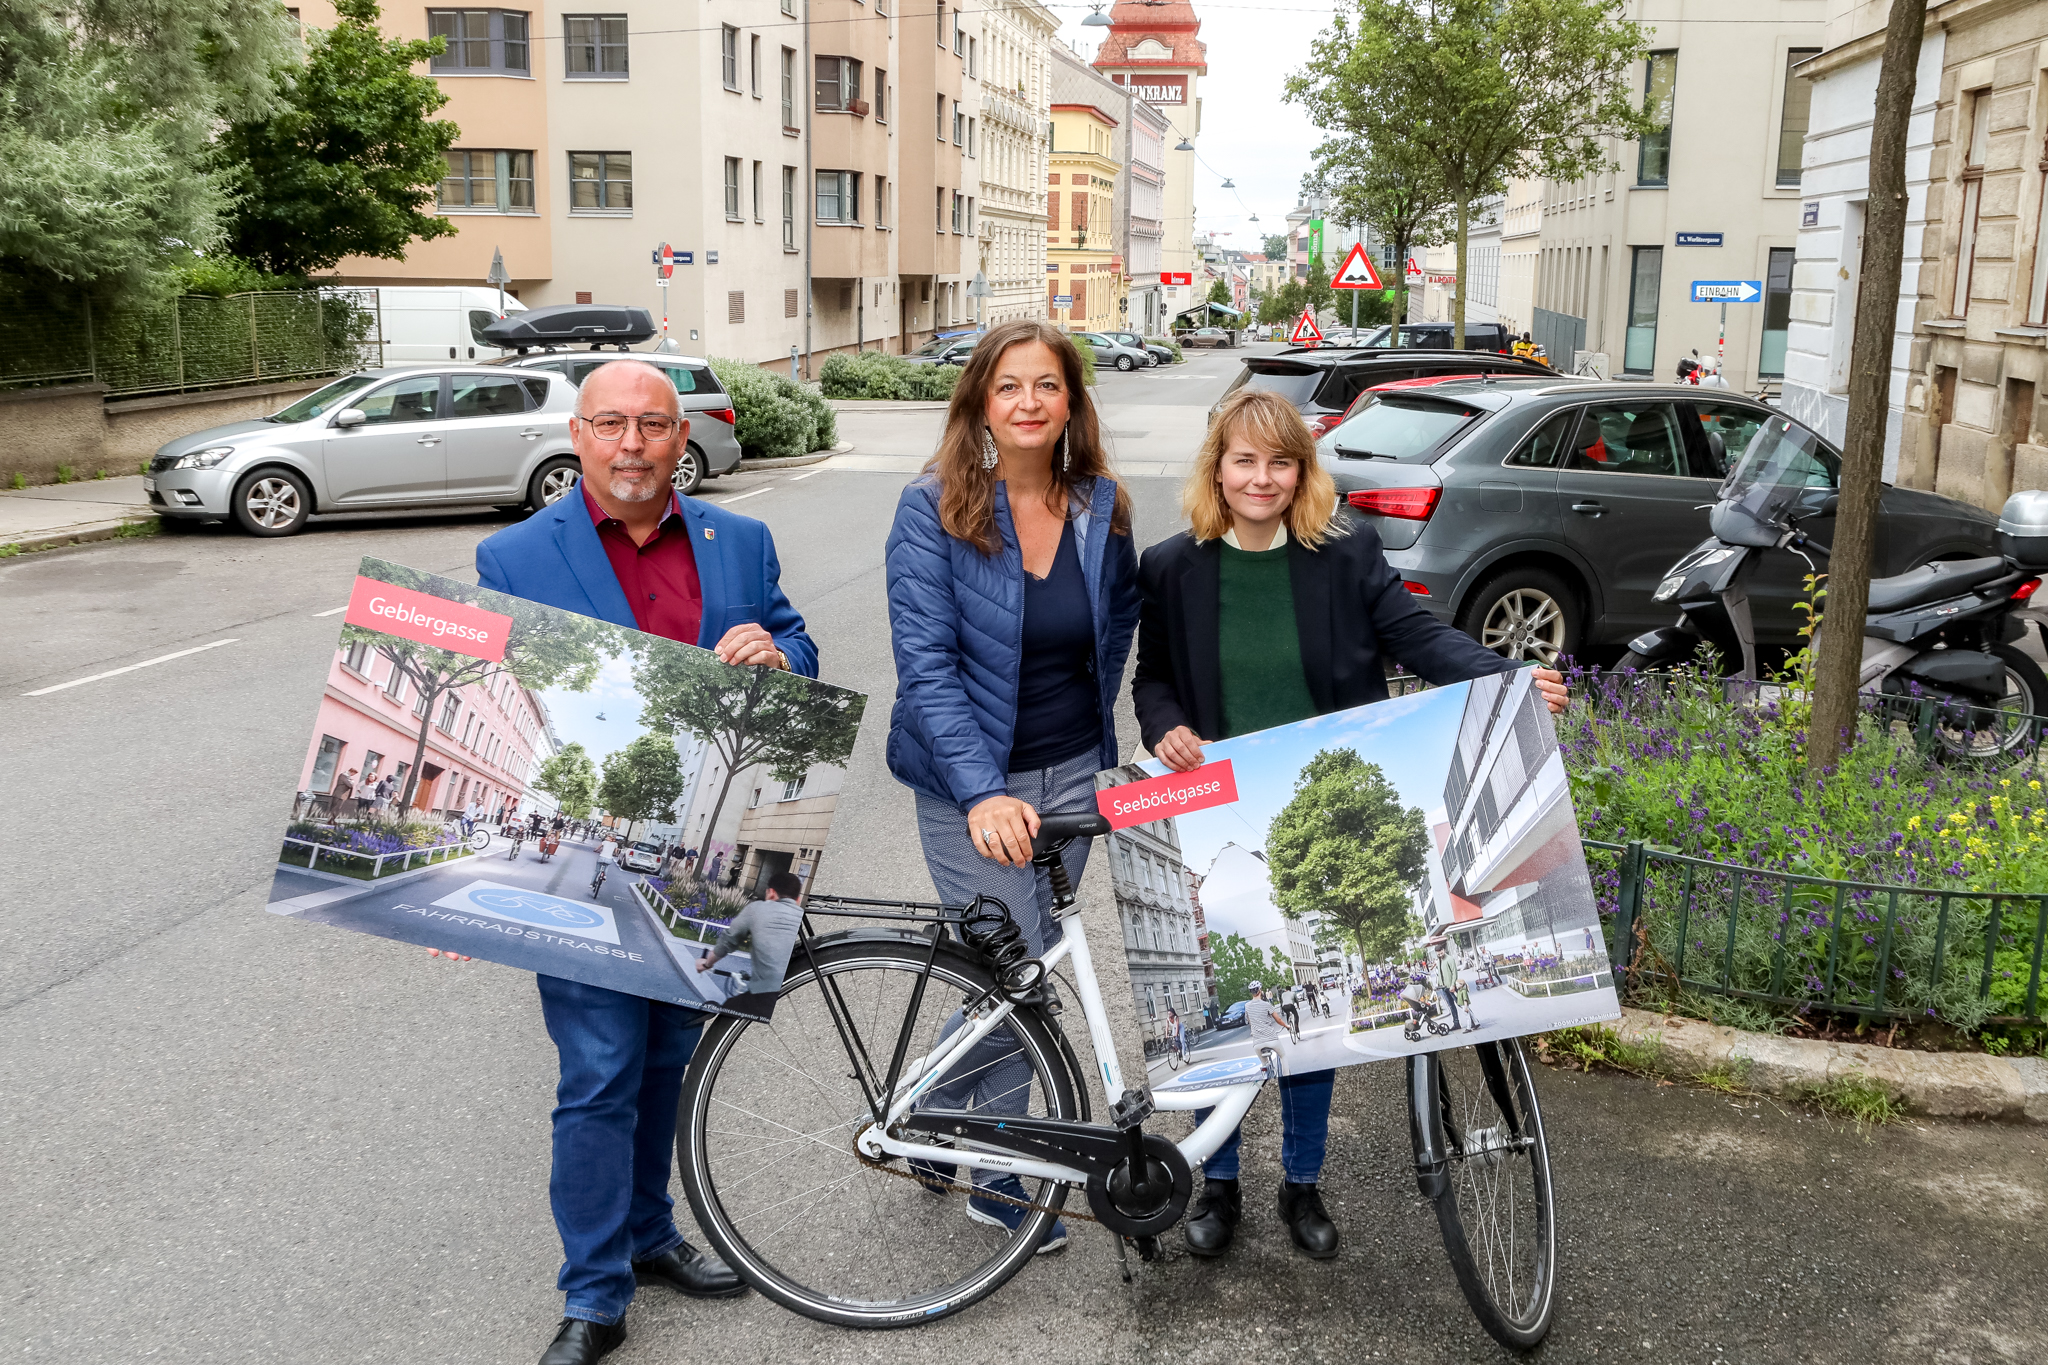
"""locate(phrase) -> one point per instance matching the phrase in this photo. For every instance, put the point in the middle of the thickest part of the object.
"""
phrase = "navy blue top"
(1058, 712)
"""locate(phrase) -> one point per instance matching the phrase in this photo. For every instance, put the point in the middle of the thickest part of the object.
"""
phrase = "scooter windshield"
(1778, 472)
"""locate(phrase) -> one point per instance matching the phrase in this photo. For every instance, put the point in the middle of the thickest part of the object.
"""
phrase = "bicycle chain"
(887, 1169)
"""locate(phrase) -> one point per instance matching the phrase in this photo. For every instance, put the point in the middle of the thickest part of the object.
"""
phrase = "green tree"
(1344, 845)
(1276, 247)
(1219, 292)
(1237, 964)
(1392, 188)
(642, 780)
(1488, 90)
(545, 648)
(1315, 290)
(349, 164)
(748, 715)
(108, 113)
(571, 778)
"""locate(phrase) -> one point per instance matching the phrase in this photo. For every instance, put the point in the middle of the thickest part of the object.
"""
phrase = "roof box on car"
(564, 324)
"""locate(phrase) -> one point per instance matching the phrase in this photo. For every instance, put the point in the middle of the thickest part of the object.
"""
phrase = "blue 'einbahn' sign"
(1727, 291)
(1699, 239)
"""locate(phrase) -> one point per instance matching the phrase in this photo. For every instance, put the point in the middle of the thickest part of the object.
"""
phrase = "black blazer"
(1351, 611)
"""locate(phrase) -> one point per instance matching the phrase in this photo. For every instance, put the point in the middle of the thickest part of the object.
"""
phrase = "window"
(959, 33)
(881, 202)
(973, 59)
(959, 125)
(958, 202)
(754, 64)
(789, 8)
(789, 88)
(1977, 105)
(881, 95)
(324, 765)
(474, 396)
(481, 41)
(838, 197)
(1653, 153)
(415, 399)
(757, 192)
(1792, 122)
(450, 706)
(1628, 438)
(794, 791)
(732, 189)
(356, 659)
(970, 215)
(1735, 426)
(729, 55)
(1646, 277)
(789, 210)
(2037, 295)
(939, 24)
(595, 48)
(940, 206)
(600, 182)
(1547, 442)
(970, 137)
(941, 111)
(488, 181)
(1777, 312)
(838, 83)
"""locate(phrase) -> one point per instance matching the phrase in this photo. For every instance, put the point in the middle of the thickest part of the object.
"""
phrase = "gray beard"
(627, 492)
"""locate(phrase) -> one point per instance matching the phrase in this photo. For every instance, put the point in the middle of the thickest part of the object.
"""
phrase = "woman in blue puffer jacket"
(1013, 596)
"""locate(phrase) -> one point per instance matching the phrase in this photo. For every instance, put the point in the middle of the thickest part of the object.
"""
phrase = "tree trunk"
(1458, 285)
(1870, 370)
(419, 750)
(1402, 246)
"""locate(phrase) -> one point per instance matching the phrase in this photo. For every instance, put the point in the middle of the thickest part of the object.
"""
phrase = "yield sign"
(1357, 271)
(1306, 329)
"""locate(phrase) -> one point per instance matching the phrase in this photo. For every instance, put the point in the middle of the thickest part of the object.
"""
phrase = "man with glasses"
(627, 548)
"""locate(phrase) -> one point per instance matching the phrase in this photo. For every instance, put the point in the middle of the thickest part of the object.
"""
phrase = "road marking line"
(117, 672)
(335, 612)
(743, 496)
(805, 475)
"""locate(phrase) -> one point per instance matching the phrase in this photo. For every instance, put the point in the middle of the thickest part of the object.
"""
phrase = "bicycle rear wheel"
(1482, 1159)
(766, 1129)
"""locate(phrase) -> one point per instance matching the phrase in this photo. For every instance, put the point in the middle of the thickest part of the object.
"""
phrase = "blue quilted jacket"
(956, 621)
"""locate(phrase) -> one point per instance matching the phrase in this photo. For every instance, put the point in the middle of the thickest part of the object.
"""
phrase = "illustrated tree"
(1345, 846)
(571, 778)
(748, 715)
(1488, 90)
(1394, 189)
(349, 165)
(1237, 964)
(643, 779)
(545, 648)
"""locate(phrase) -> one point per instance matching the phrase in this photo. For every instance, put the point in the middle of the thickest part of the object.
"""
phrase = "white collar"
(1279, 538)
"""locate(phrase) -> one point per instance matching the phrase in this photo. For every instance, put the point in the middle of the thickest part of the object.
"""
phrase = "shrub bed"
(1170, 344)
(873, 375)
(776, 417)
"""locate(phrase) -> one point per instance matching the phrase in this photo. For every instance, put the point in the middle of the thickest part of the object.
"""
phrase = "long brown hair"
(967, 492)
(1274, 425)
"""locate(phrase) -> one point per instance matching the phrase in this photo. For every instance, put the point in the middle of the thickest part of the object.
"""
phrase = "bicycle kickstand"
(1123, 1256)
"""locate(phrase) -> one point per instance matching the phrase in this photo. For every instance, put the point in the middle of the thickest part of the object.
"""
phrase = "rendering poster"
(475, 754)
(1356, 887)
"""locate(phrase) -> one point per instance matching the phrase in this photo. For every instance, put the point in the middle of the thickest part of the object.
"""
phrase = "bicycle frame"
(1230, 1102)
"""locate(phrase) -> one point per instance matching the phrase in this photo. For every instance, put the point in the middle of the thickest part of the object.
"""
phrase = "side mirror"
(1829, 505)
(350, 417)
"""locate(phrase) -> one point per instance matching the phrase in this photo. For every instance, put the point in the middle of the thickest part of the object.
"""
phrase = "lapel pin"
(710, 533)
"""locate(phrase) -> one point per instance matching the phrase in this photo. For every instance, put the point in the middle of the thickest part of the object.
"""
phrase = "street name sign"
(1727, 291)
(1699, 239)
(1357, 271)
(1063, 300)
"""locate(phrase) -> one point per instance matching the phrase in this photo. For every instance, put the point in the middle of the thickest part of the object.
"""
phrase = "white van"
(432, 325)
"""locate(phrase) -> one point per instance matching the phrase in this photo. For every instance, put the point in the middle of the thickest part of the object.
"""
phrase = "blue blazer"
(555, 558)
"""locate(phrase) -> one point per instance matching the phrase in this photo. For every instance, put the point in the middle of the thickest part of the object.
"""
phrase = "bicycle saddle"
(1061, 826)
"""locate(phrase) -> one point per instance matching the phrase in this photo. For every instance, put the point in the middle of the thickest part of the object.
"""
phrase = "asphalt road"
(231, 1136)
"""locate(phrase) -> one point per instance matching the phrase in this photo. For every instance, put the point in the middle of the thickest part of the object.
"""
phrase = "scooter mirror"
(1829, 505)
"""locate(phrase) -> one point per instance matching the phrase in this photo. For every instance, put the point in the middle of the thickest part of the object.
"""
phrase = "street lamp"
(1227, 184)
(1185, 146)
(1096, 20)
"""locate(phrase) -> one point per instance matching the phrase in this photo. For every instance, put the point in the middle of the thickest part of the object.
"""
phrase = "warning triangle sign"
(1357, 271)
(1306, 329)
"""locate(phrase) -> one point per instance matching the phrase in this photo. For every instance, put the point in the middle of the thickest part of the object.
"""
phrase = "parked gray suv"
(713, 448)
(1539, 516)
(375, 440)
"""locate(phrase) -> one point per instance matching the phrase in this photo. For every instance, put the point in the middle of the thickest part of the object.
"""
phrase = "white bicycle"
(821, 1149)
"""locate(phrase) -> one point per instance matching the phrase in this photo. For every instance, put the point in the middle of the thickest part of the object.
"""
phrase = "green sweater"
(1263, 684)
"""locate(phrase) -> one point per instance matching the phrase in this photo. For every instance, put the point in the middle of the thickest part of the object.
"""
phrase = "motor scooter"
(1943, 632)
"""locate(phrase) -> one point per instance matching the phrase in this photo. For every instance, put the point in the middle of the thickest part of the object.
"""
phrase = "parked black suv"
(1322, 383)
(1436, 336)
(1539, 515)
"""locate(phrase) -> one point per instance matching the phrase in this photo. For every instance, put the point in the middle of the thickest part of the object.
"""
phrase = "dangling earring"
(988, 449)
(1066, 459)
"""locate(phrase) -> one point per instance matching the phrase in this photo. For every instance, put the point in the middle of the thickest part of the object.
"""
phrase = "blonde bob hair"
(1271, 423)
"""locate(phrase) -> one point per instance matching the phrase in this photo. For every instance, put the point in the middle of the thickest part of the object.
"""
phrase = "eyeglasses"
(610, 426)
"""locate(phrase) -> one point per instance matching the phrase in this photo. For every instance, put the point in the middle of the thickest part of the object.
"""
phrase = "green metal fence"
(194, 342)
(1782, 938)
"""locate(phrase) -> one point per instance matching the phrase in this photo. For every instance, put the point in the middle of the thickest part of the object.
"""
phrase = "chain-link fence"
(195, 342)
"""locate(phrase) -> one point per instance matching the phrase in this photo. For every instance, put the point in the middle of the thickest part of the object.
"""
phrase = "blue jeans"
(1304, 1130)
(623, 1059)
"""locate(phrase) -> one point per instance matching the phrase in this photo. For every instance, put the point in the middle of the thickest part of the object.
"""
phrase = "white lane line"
(335, 612)
(117, 672)
(744, 496)
(808, 473)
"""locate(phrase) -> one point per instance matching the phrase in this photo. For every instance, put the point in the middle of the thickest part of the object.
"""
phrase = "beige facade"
(1082, 263)
(1521, 235)
(1154, 47)
(1016, 109)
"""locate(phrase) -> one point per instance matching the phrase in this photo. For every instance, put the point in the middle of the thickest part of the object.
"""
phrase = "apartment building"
(1154, 49)
(1163, 938)
(1084, 279)
(1016, 112)
(1521, 235)
(1705, 196)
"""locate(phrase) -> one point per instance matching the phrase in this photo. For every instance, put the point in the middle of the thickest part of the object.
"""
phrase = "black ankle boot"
(1214, 1221)
(1301, 1208)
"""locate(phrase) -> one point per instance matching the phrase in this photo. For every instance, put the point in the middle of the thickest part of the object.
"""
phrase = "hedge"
(777, 417)
(873, 375)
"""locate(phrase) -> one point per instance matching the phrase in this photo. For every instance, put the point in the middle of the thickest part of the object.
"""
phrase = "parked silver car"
(377, 439)
(641, 857)
(951, 350)
(712, 449)
(1110, 351)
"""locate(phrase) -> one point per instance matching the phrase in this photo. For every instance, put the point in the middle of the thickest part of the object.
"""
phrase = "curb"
(884, 405)
(1971, 1085)
(79, 534)
(789, 461)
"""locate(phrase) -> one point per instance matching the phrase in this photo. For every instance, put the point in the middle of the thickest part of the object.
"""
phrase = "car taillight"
(1322, 425)
(725, 415)
(1418, 589)
(1410, 504)
(2026, 590)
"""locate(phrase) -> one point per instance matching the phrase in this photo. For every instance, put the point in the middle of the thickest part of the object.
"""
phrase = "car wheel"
(1126, 364)
(690, 471)
(272, 502)
(552, 481)
(1526, 614)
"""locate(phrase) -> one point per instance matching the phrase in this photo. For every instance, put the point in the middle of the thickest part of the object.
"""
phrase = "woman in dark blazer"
(1273, 607)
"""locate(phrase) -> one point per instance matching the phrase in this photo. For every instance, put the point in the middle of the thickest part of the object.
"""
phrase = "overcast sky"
(1248, 135)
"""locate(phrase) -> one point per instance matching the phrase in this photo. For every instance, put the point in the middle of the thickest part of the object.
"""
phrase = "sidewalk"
(59, 514)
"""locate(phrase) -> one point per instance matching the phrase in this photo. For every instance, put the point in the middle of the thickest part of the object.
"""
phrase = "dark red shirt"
(660, 577)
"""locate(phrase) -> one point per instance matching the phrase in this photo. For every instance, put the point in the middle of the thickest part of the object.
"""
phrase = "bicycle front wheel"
(1481, 1158)
(770, 1112)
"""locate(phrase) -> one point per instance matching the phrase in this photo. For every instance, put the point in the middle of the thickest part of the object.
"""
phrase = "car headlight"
(203, 459)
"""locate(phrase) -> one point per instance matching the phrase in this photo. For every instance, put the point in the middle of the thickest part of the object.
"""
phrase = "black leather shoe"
(1301, 1208)
(687, 1270)
(582, 1343)
(1214, 1221)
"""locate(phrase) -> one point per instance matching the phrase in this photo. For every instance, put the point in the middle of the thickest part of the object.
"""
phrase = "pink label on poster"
(428, 620)
(1155, 798)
